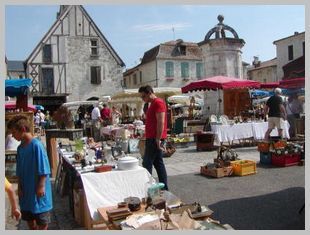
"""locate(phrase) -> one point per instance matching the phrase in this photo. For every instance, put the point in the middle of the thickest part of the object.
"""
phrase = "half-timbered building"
(73, 61)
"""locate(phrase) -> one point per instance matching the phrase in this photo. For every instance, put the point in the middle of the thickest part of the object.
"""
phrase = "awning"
(17, 86)
(132, 95)
(269, 85)
(219, 82)
(12, 105)
(292, 83)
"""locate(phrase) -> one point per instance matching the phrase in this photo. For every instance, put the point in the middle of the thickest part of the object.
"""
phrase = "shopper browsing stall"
(155, 133)
(275, 110)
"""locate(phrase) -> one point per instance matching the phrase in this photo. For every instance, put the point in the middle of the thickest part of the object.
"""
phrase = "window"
(95, 75)
(184, 70)
(199, 70)
(47, 53)
(303, 48)
(290, 52)
(140, 77)
(94, 47)
(182, 50)
(169, 69)
(47, 84)
(135, 79)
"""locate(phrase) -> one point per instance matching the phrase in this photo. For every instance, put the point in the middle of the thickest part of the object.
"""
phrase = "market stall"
(232, 94)
(112, 195)
(242, 131)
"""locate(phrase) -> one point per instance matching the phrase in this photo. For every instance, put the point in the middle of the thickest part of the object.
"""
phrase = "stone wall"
(78, 70)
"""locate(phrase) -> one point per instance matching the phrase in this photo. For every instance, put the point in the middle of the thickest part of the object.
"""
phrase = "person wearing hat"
(275, 110)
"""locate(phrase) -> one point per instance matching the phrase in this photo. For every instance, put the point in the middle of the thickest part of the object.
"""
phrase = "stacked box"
(265, 158)
(285, 159)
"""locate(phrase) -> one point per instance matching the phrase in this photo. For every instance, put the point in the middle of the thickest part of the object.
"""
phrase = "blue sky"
(134, 29)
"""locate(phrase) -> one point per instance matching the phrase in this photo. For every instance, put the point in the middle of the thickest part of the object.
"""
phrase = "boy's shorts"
(41, 218)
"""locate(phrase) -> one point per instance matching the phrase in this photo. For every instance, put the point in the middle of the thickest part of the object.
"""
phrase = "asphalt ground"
(268, 200)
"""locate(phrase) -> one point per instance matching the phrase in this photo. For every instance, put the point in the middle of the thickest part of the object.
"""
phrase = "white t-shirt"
(11, 143)
(95, 114)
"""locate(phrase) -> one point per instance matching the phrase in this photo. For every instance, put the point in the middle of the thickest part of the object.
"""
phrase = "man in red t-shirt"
(106, 115)
(155, 133)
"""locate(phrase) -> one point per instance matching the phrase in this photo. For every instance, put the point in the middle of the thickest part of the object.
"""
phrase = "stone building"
(289, 49)
(170, 64)
(263, 72)
(16, 69)
(73, 61)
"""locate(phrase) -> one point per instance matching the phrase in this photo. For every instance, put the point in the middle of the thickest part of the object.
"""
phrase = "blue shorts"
(41, 218)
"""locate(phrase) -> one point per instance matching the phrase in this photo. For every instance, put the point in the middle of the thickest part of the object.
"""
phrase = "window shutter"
(169, 69)
(98, 70)
(184, 70)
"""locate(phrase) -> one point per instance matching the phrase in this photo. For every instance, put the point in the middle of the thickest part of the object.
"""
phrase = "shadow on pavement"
(275, 211)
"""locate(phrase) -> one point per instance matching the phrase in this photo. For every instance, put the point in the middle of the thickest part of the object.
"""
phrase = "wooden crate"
(213, 172)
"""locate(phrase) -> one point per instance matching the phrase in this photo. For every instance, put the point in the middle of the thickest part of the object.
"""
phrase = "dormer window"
(94, 47)
(182, 50)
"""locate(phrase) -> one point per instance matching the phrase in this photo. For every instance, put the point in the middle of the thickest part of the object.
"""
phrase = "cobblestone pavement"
(183, 178)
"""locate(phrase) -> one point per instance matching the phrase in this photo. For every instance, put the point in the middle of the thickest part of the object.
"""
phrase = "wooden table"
(51, 135)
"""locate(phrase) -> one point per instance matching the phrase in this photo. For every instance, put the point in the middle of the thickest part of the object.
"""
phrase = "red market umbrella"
(269, 85)
(292, 83)
(12, 105)
(219, 82)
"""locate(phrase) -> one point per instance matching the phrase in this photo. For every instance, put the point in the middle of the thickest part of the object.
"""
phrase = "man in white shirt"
(96, 120)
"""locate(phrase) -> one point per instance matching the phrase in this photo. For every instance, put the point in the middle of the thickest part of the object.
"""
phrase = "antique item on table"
(83, 162)
(127, 163)
(117, 214)
(122, 204)
(78, 156)
(134, 203)
(159, 203)
(103, 168)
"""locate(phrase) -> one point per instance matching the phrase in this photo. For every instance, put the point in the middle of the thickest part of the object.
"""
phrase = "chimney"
(295, 33)
(256, 62)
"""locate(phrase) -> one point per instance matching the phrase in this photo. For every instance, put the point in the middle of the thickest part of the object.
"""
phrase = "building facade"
(263, 72)
(73, 61)
(289, 49)
(170, 64)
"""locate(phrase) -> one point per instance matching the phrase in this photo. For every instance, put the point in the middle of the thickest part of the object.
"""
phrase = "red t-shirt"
(105, 113)
(157, 106)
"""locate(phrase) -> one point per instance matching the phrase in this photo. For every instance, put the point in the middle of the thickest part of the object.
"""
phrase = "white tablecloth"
(259, 129)
(228, 133)
(109, 188)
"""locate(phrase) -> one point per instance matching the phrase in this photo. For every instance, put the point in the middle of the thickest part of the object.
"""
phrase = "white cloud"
(161, 27)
